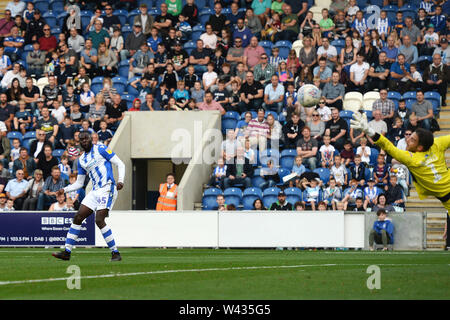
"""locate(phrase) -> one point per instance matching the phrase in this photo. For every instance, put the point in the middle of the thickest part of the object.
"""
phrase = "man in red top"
(6, 24)
(210, 104)
(48, 42)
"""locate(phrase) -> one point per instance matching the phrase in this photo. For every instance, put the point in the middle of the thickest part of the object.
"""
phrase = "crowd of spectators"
(173, 57)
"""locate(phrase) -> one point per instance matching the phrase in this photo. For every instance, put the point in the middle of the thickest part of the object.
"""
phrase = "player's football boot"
(63, 255)
(115, 256)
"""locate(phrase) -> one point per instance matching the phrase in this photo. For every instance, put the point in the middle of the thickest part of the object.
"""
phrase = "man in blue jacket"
(382, 231)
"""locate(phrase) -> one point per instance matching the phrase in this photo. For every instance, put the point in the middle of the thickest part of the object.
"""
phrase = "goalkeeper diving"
(424, 157)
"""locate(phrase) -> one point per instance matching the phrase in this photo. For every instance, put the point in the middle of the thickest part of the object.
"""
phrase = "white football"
(308, 95)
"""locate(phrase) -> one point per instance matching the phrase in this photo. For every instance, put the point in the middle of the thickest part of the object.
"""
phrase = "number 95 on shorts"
(102, 198)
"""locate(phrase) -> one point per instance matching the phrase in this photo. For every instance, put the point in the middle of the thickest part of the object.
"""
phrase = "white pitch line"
(3, 283)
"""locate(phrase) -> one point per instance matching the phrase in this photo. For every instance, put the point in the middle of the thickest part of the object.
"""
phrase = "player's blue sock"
(72, 236)
(109, 239)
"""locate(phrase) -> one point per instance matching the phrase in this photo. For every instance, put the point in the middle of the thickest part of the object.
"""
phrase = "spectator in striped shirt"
(258, 131)
(385, 106)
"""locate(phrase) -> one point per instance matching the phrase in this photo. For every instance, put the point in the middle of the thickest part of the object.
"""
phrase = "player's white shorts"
(102, 198)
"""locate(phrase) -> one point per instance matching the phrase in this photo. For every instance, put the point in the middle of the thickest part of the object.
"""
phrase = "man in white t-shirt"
(328, 51)
(358, 74)
(210, 77)
(377, 123)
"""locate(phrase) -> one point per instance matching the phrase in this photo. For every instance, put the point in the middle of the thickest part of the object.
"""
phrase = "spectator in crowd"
(436, 76)
(252, 94)
(15, 189)
(323, 72)
(274, 95)
(218, 174)
(98, 35)
(217, 20)
(264, 71)
(394, 193)
(371, 193)
(423, 110)
(358, 74)
(75, 41)
(409, 50)
(48, 124)
(399, 70)
(444, 51)
(289, 25)
(270, 175)
(252, 53)
(334, 92)
(307, 147)
(144, 18)
(258, 205)
(382, 231)
(133, 41)
(292, 131)
(316, 124)
(281, 204)
(351, 194)
(379, 73)
(60, 204)
(239, 170)
(52, 184)
(337, 129)
(24, 163)
(328, 52)
(164, 21)
(332, 194)
(339, 172)
(46, 161)
(358, 171)
(242, 32)
(6, 24)
(377, 123)
(168, 194)
(33, 190)
(211, 104)
(307, 55)
(200, 57)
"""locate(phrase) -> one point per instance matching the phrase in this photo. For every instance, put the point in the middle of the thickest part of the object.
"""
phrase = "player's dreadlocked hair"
(426, 138)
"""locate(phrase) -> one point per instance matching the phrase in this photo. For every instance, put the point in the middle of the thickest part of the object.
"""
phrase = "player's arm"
(443, 142)
(109, 155)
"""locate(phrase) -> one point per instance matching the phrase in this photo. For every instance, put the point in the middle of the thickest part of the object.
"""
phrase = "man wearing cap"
(15, 189)
(281, 204)
(140, 60)
(145, 20)
(179, 57)
(444, 51)
(36, 61)
(133, 42)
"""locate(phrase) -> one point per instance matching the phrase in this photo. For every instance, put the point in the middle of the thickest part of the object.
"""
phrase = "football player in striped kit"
(96, 162)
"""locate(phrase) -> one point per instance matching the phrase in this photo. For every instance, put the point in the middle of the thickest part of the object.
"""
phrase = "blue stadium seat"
(257, 179)
(130, 89)
(284, 46)
(122, 15)
(346, 114)
(373, 156)
(56, 31)
(267, 45)
(293, 195)
(270, 195)
(149, 3)
(97, 84)
(14, 135)
(368, 114)
(368, 174)
(435, 99)
(61, 17)
(204, 14)
(273, 113)
(362, 3)
(410, 98)
(254, 115)
(120, 84)
(395, 97)
(249, 196)
(324, 174)
(85, 16)
(57, 6)
(57, 153)
(158, 3)
(229, 121)
(197, 31)
(50, 18)
(233, 196)
(124, 67)
(272, 154)
(282, 172)
(129, 99)
(131, 16)
(287, 158)
(29, 135)
(209, 198)
(126, 30)
(41, 5)
(201, 3)
(189, 46)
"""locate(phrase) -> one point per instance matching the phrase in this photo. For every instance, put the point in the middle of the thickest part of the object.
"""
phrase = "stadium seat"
(97, 84)
(197, 31)
(201, 3)
(122, 15)
(50, 18)
(282, 172)
(272, 154)
(189, 46)
(57, 6)
(14, 135)
(124, 67)
(373, 156)
(209, 198)
(249, 196)
(204, 14)
(120, 84)
(435, 99)
(130, 89)
(129, 99)
(229, 121)
(267, 45)
(149, 3)
(126, 30)
(154, 12)
(41, 5)
(61, 18)
(233, 196)
(293, 195)
(369, 98)
(29, 135)
(273, 113)
(378, 3)
(284, 46)
(85, 16)
(353, 101)
(254, 115)
(395, 97)
(41, 83)
(131, 16)
(324, 174)
(257, 180)
(57, 153)
(297, 46)
(423, 62)
(56, 31)
(287, 158)
(270, 195)
(158, 3)
(368, 114)
(410, 98)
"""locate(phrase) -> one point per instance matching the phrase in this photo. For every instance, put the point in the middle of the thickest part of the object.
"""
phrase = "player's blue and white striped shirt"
(383, 26)
(428, 6)
(360, 26)
(97, 165)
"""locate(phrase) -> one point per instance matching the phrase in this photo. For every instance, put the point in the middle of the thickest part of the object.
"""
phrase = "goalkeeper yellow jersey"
(429, 170)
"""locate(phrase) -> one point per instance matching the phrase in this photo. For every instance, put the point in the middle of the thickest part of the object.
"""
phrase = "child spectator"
(299, 206)
(15, 151)
(397, 132)
(332, 194)
(76, 115)
(219, 174)
(322, 206)
(398, 24)
(403, 112)
(74, 196)
(64, 167)
(291, 93)
(352, 10)
(339, 172)
(67, 130)
(197, 93)
(104, 134)
(85, 126)
(413, 123)
(307, 25)
(382, 231)
(181, 95)
(170, 77)
(218, 60)
(190, 78)
(312, 194)
(327, 152)
(348, 156)
(364, 151)
(381, 171)
(235, 97)
(9, 205)
(273, 25)
(221, 95)
(184, 28)
(359, 205)
(351, 194)
(275, 58)
(22, 118)
(358, 171)
(371, 193)
(323, 110)
(298, 168)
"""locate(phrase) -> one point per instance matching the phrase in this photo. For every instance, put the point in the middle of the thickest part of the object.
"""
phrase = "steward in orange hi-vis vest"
(167, 200)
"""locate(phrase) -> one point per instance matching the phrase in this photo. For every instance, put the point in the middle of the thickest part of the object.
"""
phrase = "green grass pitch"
(224, 274)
